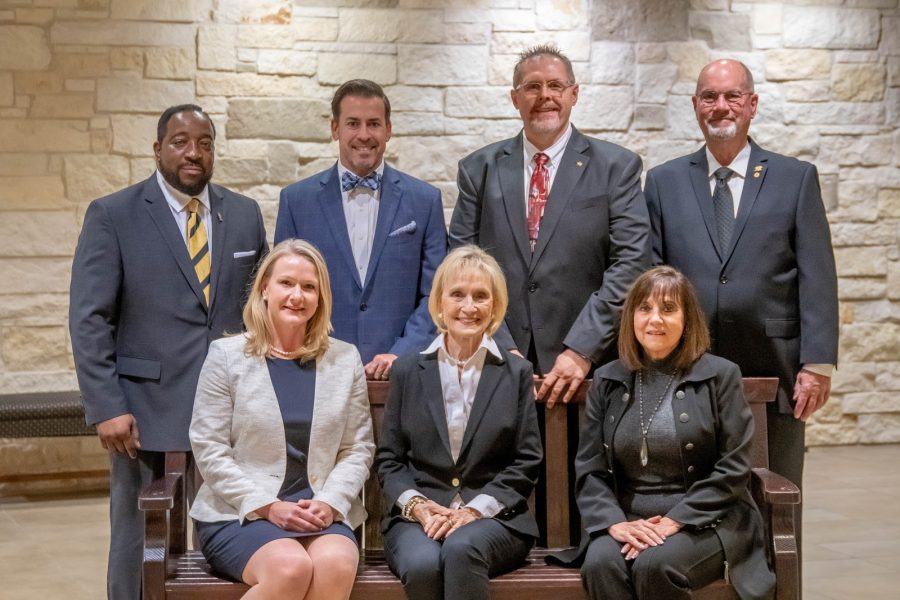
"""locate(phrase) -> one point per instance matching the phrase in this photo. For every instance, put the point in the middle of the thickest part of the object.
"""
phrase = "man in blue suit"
(381, 232)
(159, 273)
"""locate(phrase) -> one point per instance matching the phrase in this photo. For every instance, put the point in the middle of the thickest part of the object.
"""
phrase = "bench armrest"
(778, 500)
(160, 494)
(163, 503)
(775, 488)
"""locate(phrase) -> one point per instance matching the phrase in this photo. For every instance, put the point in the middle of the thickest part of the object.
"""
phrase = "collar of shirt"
(738, 165)
(439, 346)
(178, 200)
(554, 154)
(346, 195)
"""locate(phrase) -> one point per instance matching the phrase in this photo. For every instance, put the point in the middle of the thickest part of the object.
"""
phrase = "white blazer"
(238, 438)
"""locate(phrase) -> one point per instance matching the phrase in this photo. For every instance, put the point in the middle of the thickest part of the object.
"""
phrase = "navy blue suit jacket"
(771, 297)
(139, 324)
(388, 312)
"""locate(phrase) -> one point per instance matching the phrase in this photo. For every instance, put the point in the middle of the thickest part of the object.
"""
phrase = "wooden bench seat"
(173, 572)
(42, 414)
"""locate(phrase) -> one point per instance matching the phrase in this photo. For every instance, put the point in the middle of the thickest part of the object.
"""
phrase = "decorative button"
(455, 482)
(684, 418)
(723, 280)
(625, 397)
(691, 469)
(313, 479)
(533, 286)
(611, 418)
(689, 446)
(679, 394)
(363, 306)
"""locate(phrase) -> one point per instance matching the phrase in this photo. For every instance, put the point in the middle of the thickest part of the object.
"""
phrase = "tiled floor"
(55, 549)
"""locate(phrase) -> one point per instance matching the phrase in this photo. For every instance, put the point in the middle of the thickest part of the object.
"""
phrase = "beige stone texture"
(40, 135)
(128, 33)
(847, 150)
(722, 30)
(170, 63)
(869, 402)
(807, 91)
(442, 65)
(431, 158)
(417, 123)
(856, 201)
(858, 83)
(335, 69)
(879, 428)
(216, 47)
(24, 48)
(247, 84)
(889, 203)
(640, 20)
(689, 57)
(80, 85)
(466, 33)
(37, 82)
(870, 342)
(133, 134)
(655, 81)
(855, 377)
(767, 18)
(7, 95)
(17, 163)
(33, 16)
(787, 64)
(33, 193)
(130, 93)
(161, 10)
(32, 275)
(389, 25)
(595, 111)
(286, 62)
(24, 233)
(279, 118)
(826, 27)
(81, 64)
(484, 102)
(127, 58)
(868, 261)
(890, 39)
(864, 234)
(561, 14)
(861, 288)
(648, 53)
(834, 113)
(888, 376)
(62, 106)
(415, 98)
(276, 12)
(833, 434)
(90, 176)
(612, 63)
(514, 20)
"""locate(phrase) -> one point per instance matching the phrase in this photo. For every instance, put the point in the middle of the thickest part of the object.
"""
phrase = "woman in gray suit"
(282, 435)
(460, 447)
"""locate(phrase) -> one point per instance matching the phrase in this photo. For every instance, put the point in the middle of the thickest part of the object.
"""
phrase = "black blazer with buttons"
(501, 449)
(714, 426)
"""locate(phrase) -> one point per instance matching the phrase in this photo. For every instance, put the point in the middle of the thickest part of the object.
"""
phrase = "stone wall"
(82, 83)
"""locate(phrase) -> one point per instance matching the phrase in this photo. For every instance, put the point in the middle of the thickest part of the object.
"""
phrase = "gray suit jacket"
(138, 321)
(239, 442)
(593, 242)
(771, 297)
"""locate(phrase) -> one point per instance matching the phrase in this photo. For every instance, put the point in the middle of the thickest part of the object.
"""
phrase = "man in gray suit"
(564, 216)
(159, 272)
(748, 228)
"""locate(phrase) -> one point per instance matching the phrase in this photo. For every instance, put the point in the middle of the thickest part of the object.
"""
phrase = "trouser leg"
(687, 561)
(605, 573)
(476, 552)
(416, 560)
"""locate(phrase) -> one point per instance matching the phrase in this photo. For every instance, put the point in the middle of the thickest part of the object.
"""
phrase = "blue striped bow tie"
(351, 180)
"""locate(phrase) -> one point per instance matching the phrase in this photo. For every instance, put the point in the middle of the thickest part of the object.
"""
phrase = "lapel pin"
(219, 215)
(578, 163)
(756, 175)
(758, 168)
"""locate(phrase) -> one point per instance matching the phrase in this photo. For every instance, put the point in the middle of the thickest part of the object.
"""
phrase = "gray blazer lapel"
(753, 180)
(388, 204)
(330, 200)
(490, 378)
(511, 171)
(700, 180)
(572, 166)
(219, 255)
(162, 215)
(433, 397)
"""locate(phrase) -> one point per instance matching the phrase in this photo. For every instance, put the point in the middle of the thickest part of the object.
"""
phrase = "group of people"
(258, 363)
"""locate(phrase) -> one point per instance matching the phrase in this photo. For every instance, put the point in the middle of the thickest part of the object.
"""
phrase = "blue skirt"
(228, 545)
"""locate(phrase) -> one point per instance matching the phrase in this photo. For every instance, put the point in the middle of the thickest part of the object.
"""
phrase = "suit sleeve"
(595, 328)
(284, 222)
(657, 243)
(94, 314)
(419, 329)
(817, 276)
(594, 495)
(263, 248)
(708, 499)
(392, 456)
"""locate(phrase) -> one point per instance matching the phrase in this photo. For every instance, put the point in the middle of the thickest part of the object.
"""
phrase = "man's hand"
(380, 366)
(811, 392)
(120, 434)
(569, 370)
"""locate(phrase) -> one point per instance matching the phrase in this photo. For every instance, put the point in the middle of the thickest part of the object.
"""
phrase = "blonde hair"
(256, 314)
(457, 261)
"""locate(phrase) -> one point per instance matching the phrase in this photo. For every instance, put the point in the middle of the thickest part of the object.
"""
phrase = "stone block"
(826, 27)
(80, 85)
(785, 64)
(640, 20)
(650, 116)
(238, 171)
(442, 65)
(417, 123)
(133, 135)
(126, 33)
(854, 377)
(127, 59)
(500, 70)
(25, 233)
(18, 164)
(415, 98)
(35, 275)
(855, 56)
(170, 63)
(33, 16)
(575, 43)
(90, 176)
(879, 428)
(869, 261)
(484, 102)
(861, 288)
(466, 33)
(216, 47)
(870, 402)
(25, 48)
(487, 129)
(81, 64)
(276, 12)
(279, 118)
(612, 63)
(561, 14)
(722, 30)
(681, 122)
(767, 18)
(43, 135)
(36, 82)
(161, 10)
(889, 203)
(856, 201)
(335, 69)
(434, 158)
(858, 82)
(832, 434)
(7, 95)
(890, 35)
(887, 376)
(846, 113)
(23, 348)
(62, 106)
(130, 93)
(655, 81)
(595, 111)
(849, 150)
(807, 91)
(650, 53)
(864, 234)
(690, 57)
(389, 25)
(246, 84)
(892, 104)
(512, 20)
(42, 308)
(101, 141)
(286, 62)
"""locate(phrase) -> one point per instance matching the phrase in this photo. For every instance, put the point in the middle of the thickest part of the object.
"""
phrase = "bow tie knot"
(350, 180)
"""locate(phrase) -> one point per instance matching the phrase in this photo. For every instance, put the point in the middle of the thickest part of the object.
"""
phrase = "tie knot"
(193, 206)
(350, 180)
(723, 174)
(540, 159)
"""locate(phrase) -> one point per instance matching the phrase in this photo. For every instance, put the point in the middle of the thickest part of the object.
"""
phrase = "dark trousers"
(457, 568)
(686, 561)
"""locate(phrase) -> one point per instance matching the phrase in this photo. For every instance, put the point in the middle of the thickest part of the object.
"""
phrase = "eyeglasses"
(536, 88)
(734, 98)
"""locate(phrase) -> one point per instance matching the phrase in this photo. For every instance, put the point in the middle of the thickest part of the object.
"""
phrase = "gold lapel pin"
(756, 175)
(578, 163)
(758, 168)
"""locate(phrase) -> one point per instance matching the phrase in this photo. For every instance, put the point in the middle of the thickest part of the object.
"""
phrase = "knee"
(604, 569)
(421, 570)
(458, 555)
(337, 564)
(288, 571)
(653, 571)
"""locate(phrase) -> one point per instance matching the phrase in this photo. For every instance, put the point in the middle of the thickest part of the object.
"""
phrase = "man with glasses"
(564, 216)
(748, 227)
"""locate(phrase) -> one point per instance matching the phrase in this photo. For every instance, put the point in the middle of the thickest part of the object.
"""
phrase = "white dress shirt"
(361, 214)
(459, 389)
(178, 202)
(554, 153)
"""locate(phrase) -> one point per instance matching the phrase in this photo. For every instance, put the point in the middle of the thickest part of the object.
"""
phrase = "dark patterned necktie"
(724, 207)
(538, 190)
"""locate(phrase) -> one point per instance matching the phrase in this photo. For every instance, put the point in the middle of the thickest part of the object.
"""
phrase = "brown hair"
(664, 283)
(458, 260)
(542, 50)
(359, 88)
(256, 314)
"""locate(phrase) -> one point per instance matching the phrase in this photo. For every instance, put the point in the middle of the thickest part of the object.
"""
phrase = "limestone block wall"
(82, 83)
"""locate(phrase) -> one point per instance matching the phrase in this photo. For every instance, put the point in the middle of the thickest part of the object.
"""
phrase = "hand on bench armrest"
(775, 488)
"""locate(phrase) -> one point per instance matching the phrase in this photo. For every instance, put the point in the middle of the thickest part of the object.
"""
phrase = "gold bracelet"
(411, 504)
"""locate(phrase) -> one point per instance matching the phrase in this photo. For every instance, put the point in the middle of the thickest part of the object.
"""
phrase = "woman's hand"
(635, 536)
(462, 516)
(291, 516)
(434, 518)
(663, 526)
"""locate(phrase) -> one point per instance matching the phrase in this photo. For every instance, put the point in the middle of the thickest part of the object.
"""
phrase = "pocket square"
(244, 253)
(408, 228)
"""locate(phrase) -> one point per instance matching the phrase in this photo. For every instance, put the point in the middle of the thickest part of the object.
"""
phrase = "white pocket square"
(408, 228)
(245, 253)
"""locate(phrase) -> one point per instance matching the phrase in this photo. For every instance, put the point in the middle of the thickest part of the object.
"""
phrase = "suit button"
(691, 469)
(313, 479)
(723, 279)
(625, 397)
(684, 418)
(533, 286)
(679, 394)
(611, 418)
(526, 327)
(363, 306)
(689, 446)
(455, 482)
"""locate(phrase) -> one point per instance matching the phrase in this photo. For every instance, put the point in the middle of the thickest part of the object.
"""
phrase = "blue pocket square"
(408, 228)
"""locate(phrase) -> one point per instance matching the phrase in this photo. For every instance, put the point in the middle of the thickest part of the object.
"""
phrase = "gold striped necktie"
(198, 248)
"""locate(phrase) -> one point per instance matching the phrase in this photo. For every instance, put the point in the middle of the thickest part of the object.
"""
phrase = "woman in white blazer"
(282, 434)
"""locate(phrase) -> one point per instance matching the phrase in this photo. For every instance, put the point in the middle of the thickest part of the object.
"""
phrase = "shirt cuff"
(406, 497)
(822, 369)
(488, 506)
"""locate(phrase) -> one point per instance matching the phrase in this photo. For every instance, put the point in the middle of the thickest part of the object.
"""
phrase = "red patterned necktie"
(538, 190)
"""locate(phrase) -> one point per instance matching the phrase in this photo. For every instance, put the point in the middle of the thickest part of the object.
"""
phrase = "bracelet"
(411, 504)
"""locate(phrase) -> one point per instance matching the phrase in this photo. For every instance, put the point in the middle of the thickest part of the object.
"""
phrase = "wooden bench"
(171, 571)
(42, 414)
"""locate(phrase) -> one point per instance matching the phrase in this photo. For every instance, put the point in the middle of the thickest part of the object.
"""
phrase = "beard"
(725, 132)
(190, 188)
